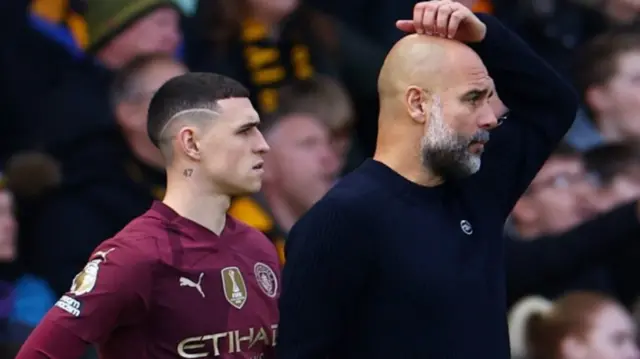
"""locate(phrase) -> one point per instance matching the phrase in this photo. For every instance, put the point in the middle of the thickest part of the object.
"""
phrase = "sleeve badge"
(85, 281)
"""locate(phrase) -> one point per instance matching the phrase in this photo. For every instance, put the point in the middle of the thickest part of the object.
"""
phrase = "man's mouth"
(258, 166)
(477, 146)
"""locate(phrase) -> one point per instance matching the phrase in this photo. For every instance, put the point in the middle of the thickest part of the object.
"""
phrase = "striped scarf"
(267, 68)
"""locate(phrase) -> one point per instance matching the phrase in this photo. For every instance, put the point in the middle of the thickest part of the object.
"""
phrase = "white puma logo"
(186, 282)
(103, 254)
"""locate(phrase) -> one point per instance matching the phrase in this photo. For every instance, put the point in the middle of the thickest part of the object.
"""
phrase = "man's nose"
(488, 119)
(586, 197)
(262, 145)
(171, 39)
(329, 159)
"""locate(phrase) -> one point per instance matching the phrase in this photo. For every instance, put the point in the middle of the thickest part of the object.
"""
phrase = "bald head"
(427, 62)
(434, 96)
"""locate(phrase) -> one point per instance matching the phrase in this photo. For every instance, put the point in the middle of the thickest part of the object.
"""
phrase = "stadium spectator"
(577, 325)
(555, 28)
(24, 297)
(131, 94)
(366, 16)
(77, 114)
(615, 170)
(299, 169)
(554, 201)
(265, 44)
(606, 74)
(94, 204)
(556, 208)
(579, 251)
(76, 124)
(31, 65)
(329, 101)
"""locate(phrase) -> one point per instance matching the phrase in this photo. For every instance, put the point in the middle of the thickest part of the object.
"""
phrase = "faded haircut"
(189, 95)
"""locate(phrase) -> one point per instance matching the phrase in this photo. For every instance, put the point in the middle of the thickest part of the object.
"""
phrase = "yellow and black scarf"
(62, 13)
(272, 63)
(253, 211)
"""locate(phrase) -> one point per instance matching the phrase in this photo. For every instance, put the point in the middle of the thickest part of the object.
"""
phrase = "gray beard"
(453, 162)
(445, 153)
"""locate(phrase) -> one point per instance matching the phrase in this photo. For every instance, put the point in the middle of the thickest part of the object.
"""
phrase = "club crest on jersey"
(267, 280)
(85, 281)
(234, 287)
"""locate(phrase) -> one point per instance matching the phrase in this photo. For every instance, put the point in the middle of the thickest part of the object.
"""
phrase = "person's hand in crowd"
(445, 18)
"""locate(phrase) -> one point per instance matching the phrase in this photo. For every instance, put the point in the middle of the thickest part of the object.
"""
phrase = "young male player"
(184, 280)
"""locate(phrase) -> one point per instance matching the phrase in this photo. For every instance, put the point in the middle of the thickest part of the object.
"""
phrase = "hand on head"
(445, 18)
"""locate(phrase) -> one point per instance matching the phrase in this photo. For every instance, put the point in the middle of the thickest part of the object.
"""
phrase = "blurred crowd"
(76, 164)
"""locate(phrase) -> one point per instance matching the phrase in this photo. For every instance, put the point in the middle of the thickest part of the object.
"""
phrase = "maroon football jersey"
(165, 287)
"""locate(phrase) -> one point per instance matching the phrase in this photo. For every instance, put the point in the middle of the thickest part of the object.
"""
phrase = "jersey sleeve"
(64, 345)
(113, 290)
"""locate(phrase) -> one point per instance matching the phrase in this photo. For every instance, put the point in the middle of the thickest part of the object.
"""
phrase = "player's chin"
(252, 184)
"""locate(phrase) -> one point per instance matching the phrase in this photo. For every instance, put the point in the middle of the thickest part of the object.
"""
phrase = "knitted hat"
(107, 18)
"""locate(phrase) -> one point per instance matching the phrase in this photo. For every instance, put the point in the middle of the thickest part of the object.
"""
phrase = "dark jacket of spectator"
(103, 187)
(31, 66)
(582, 258)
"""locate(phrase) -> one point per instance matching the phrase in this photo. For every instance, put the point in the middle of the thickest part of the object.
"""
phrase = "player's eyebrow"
(253, 122)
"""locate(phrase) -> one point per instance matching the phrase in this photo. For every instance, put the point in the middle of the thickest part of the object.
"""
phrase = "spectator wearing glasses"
(577, 250)
(554, 201)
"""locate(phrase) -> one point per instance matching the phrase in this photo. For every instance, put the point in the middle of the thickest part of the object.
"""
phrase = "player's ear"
(416, 101)
(188, 142)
